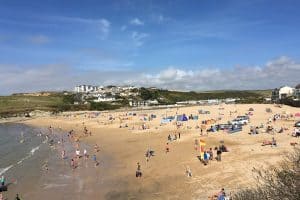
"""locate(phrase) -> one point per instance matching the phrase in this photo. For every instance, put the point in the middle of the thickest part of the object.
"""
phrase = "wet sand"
(164, 175)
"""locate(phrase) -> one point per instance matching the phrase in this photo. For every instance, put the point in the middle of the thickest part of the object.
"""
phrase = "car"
(297, 124)
(239, 122)
(243, 117)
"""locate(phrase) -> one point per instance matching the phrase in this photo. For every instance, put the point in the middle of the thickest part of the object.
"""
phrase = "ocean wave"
(34, 150)
(3, 170)
(53, 185)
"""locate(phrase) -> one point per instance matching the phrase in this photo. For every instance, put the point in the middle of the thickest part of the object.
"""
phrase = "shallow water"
(23, 165)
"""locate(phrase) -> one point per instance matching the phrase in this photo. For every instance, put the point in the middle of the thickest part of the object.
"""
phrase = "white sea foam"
(3, 170)
(53, 185)
(31, 153)
(34, 150)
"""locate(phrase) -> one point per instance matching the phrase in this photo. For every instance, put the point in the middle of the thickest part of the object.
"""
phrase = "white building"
(286, 91)
(85, 88)
(104, 99)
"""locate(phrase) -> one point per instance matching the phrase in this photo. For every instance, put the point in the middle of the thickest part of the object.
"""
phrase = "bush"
(277, 183)
(103, 106)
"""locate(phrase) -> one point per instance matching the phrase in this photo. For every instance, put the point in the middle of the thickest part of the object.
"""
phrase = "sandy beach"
(164, 175)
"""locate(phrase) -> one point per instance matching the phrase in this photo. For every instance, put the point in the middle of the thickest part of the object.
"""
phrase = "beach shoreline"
(164, 175)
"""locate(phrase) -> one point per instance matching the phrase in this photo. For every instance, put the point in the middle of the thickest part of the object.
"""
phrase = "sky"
(171, 44)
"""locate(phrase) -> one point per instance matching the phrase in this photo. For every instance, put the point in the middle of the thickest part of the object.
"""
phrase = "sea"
(30, 160)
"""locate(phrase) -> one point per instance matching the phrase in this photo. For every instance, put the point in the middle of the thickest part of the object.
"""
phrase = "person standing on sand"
(138, 172)
(95, 160)
(63, 154)
(96, 148)
(73, 163)
(77, 153)
(179, 135)
(85, 154)
(219, 152)
(2, 180)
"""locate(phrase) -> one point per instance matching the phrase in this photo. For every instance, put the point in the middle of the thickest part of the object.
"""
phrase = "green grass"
(58, 102)
(20, 104)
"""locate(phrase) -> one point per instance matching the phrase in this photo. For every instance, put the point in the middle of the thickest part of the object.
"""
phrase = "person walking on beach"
(219, 152)
(85, 154)
(73, 166)
(188, 171)
(138, 172)
(96, 148)
(63, 154)
(95, 160)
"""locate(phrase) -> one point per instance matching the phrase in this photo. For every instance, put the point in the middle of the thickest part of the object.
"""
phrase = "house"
(297, 92)
(275, 95)
(85, 88)
(285, 92)
(105, 99)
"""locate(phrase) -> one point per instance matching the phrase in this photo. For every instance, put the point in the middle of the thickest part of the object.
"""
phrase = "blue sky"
(131, 40)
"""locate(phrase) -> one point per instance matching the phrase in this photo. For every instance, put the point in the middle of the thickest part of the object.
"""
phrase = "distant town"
(132, 93)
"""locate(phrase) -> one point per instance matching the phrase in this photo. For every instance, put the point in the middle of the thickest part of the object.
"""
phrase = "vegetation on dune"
(171, 97)
(19, 104)
(277, 183)
(104, 106)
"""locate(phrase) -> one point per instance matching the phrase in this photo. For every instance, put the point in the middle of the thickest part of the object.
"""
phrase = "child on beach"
(188, 171)
(95, 160)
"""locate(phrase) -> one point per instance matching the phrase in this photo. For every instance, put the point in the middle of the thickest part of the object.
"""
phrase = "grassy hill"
(20, 103)
(171, 97)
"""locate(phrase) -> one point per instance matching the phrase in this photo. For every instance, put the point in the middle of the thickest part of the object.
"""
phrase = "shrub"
(276, 183)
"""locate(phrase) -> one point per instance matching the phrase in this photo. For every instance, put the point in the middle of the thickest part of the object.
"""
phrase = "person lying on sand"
(272, 142)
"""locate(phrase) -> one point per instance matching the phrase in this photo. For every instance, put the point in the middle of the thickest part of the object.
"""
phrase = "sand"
(164, 175)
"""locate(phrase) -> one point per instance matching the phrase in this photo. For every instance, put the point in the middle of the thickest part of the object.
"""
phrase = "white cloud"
(39, 39)
(138, 38)
(136, 22)
(159, 18)
(102, 24)
(280, 71)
